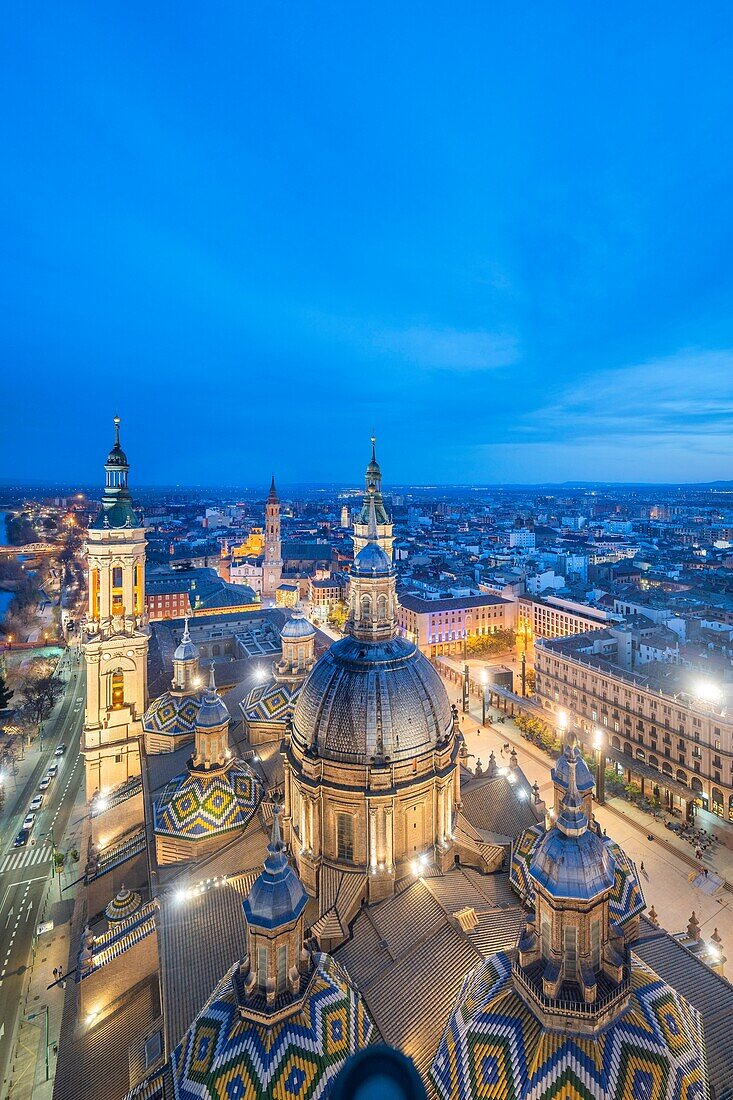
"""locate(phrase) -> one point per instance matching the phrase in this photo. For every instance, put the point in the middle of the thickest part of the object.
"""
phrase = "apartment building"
(554, 617)
(668, 727)
(441, 626)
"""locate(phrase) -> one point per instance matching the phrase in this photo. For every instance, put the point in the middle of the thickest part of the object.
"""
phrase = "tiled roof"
(654, 1048)
(203, 803)
(117, 796)
(710, 993)
(494, 805)
(119, 938)
(226, 1054)
(118, 853)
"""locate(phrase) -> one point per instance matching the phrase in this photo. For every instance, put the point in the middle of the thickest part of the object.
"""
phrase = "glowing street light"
(598, 745)
(708, 692)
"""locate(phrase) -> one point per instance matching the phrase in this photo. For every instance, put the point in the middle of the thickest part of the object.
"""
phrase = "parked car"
(36, 803)
(59, 750)
(53, 771)
(21, 838)
(45, 783)
(30, 820)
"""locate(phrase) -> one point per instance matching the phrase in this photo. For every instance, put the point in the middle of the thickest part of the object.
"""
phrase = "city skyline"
(291, 228)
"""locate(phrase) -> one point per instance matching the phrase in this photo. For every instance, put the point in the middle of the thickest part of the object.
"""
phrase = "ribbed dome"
(362, 693)
(372, 561)
(212, 712)
(186, 650)
(297, 627)
(573, 867)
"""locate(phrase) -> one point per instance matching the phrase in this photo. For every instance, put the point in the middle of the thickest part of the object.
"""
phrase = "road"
(25, 872)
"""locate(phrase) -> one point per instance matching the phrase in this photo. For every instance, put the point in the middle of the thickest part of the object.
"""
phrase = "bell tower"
(272, 566)
(115, 633)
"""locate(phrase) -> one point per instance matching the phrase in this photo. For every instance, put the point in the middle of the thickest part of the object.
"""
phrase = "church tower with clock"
(115, 633)
(272, 566)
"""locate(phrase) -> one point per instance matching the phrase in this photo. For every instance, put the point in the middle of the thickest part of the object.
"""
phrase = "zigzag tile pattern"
(173, 715)
(626, 899)
(494, 1048)
(223, 1055)
(271, 702)
(199, 803)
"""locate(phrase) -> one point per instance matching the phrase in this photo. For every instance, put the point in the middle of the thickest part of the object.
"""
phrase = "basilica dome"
(367, 698)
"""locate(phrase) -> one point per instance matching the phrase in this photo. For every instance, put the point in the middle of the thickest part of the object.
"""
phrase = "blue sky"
(498, 235)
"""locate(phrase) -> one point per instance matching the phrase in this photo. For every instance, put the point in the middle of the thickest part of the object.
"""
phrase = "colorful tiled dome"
(123, 905)
(272, 701)
(494, 1047)
(226, 1054)
(626, 899)
(203, 803)
(173, 715)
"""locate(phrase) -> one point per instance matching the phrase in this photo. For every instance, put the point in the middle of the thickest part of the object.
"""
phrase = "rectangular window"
(282, 967)
(345, 836)
(545, 939)
(570, 952)
(117, 576)
(595, 944)
(261, 967)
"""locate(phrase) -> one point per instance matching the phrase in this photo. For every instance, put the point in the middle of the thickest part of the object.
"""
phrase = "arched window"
(215, 650)
(615, 743)
(366, 608)
(667, 768)
(118, 690)
(653, 762)
(681, 776)
(627, 748)
(640, 754)
(717, 796)
(382, 608)
(696, 784)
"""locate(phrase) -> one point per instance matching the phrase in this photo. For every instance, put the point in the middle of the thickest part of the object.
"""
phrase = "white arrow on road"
(28, 911)
(2, 1030)
(10, 913)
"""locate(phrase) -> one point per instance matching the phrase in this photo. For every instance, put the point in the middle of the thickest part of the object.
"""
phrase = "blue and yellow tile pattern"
(200, 803)
(494, 1048)
(224, 1056)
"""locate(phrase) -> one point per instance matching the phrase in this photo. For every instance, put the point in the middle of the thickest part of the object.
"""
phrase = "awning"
(653, 775)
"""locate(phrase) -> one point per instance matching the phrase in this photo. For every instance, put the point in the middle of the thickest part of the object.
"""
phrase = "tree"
(41, 691)
(5, 693)
(483, 645)
(338, 614)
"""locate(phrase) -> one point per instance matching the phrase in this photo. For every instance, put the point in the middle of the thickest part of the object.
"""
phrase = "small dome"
(297, 627)
(117, 456)
(277, 896)
(573, 867)
(372, 561)
(186, 650)
(123, 905)
(212, 712)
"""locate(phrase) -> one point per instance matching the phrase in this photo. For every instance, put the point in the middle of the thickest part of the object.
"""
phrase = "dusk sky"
(500, 236)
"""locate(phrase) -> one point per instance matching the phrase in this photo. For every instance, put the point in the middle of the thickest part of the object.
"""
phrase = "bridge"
(31, 548)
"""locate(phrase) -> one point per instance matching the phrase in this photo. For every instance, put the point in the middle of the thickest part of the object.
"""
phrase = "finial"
(116, 421)
(276, 844)
(212, 680)
(374, 447)
(491, 771)
(716, 937)
(693, 927)
(186, 635)
(653, 916)
(572, 820)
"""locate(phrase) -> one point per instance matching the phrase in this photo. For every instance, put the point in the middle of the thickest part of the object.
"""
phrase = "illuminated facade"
(116, 636)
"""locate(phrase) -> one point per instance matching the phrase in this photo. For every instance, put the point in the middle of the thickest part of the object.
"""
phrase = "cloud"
(687, 395)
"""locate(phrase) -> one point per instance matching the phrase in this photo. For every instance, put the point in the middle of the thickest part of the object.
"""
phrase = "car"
(21, 838)
(36, 803)
(30, 820)
(52, 771)
(59, 750)
(45, 783)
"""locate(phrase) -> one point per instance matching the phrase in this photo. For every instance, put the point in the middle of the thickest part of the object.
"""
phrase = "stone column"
(128, 594)
(373, 839)
(441, 815)
(105, 595)
(315, 821)
(389, 837)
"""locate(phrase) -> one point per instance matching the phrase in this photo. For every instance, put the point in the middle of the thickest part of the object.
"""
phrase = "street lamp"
(465, 687)
(485, 686)
(598, 744)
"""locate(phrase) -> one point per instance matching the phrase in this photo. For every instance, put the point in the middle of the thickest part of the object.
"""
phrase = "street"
(26, 872)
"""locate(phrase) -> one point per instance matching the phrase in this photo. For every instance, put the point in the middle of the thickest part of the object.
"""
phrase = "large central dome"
(363, 699)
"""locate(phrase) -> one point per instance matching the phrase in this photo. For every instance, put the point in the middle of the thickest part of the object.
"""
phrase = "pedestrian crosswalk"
(27, 858)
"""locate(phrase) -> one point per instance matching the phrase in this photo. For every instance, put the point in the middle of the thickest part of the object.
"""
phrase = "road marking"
(10, 913)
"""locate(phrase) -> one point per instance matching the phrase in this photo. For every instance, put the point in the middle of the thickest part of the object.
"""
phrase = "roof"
(447, 603)
(495, 1046)
(225, 1053)
(207, 802)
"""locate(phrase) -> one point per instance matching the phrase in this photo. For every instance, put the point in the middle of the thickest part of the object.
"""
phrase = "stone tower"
(373, 488)
(272, 567)
(116, 636)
